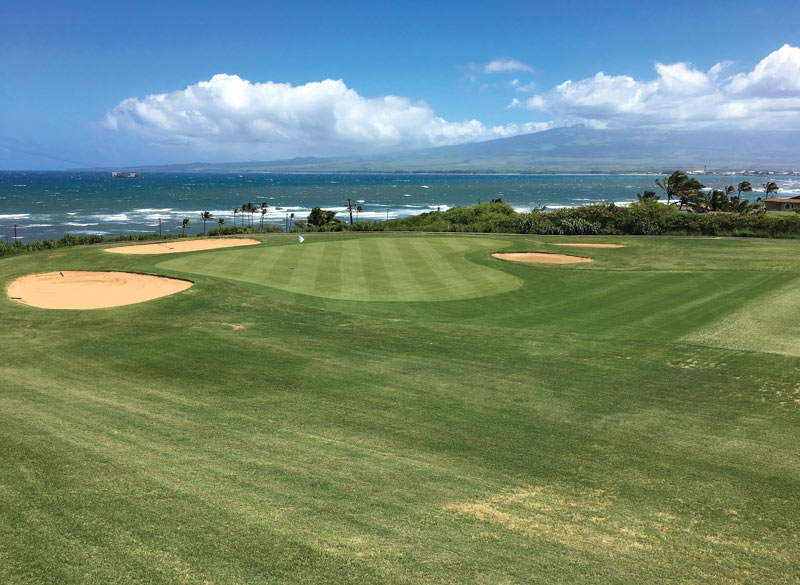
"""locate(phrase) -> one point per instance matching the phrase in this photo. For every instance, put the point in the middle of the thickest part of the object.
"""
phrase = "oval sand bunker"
(540, 257)
(173, 247)
(91, 290)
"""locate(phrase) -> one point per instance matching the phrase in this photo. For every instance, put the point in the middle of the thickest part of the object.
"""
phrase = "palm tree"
(184, 224)
(719, 200)
(206, 216)
(688, 193)
(291, 220)
(221, 222)
(235, 213)
(745, 187)
(770, 187)
(251, 209)
(359, 209)
(672, 184)
(264, 209)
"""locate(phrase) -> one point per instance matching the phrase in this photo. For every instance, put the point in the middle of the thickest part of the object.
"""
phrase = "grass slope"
(576, 428)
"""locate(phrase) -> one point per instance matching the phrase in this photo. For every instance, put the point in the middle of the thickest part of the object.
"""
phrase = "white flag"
(301, 238)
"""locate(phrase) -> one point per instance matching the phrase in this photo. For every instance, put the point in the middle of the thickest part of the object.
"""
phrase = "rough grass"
(560, 432)
(770, 323)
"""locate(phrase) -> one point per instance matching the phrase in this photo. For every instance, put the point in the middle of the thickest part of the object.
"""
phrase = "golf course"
(406, 409)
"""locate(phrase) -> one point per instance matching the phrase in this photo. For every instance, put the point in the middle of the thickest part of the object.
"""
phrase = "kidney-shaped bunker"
(73, 289)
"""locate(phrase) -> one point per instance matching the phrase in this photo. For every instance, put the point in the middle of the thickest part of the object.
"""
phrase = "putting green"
(368, 269)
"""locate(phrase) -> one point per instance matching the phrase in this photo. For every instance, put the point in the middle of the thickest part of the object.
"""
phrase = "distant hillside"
(575, 148)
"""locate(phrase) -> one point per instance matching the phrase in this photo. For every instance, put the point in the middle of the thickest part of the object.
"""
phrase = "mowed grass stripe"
(362, 269)
(449, 259)
(382, 281)
(328, 268)
(369, 271)
(427, 275)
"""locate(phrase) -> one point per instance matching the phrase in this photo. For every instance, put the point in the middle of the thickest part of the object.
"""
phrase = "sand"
(175, 246)
(540, 257)
(91, 290)
(592, 245)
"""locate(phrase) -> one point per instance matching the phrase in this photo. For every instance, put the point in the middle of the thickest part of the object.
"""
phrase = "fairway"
(403, 409)
(378, 269)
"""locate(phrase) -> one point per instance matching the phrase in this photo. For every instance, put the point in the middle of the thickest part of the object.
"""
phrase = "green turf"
(623, 421)
(377, 269)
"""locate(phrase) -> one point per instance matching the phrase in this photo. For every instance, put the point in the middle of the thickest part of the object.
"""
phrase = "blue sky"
(273, 80)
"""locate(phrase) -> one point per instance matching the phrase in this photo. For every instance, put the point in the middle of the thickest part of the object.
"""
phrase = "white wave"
(148, 210)
(14, 215)
(79, 224)
(112, 217)
(20, 185)
(39, 225)
(424, 187)
(89, 232)
(406, 195)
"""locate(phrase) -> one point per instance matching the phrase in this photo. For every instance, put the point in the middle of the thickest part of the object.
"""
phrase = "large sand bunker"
(540, 257)
(173, 247)
(91, 290)
(592, 245)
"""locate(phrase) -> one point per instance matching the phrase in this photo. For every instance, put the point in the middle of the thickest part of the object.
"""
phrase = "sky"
(88, 83)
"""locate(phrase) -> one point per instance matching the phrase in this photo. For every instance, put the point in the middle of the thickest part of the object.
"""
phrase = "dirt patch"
(91, 290)
(592, 245)
(540, 257)
(173, 247)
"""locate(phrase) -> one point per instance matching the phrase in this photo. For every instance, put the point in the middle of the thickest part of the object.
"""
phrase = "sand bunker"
(173, 246)
(91, 290)
(592, 245)
(540, 257)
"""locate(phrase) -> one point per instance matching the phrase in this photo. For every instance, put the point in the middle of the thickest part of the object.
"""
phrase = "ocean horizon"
(47, 204)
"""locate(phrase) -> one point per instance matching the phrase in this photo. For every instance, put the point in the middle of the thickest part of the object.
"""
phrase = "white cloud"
(775, 76)
(683, 96)
(228, 114)
(505, 65)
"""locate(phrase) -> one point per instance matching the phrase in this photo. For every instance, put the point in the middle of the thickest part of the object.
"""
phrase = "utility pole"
(350, 207)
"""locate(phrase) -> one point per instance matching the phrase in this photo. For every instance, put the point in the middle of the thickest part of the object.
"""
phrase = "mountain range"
(567, 149)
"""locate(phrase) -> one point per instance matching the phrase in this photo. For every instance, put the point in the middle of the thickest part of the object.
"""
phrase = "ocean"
(50, 204)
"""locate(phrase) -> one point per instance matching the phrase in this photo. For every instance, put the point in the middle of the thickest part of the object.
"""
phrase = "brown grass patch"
(540, 258)
(575, 518)
(173, 247)
(91, 290)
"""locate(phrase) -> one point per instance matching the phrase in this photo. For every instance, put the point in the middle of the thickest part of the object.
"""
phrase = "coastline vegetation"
(690, 210)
